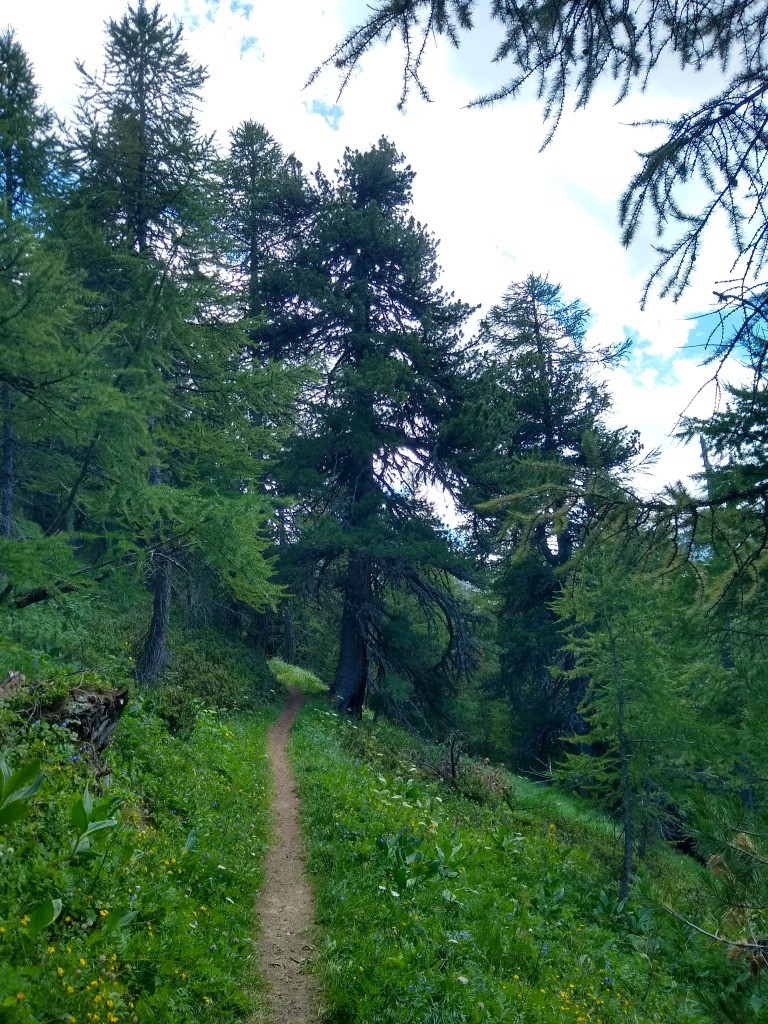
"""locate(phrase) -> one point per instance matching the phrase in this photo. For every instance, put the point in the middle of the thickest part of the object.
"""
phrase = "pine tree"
(542, 448)
(268, 206)
(389, 342)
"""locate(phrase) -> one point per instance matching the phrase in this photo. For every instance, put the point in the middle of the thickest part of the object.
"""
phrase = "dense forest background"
(236, 391)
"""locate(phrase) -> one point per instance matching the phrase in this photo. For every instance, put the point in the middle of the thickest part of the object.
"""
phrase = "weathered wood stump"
(93, 715)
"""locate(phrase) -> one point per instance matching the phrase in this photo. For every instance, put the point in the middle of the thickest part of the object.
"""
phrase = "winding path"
(286, 905)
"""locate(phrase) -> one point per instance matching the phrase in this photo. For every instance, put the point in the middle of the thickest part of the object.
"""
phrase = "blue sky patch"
(640, 360)
(330, 113)
(250, 44)
(242, 8)
(711, 330)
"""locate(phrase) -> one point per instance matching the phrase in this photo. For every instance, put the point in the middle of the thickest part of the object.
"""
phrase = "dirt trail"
(286, 905)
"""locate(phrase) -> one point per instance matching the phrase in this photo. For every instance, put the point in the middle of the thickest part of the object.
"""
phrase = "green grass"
(157, 914)
(435, 907)
(185, 858)
(292, 675)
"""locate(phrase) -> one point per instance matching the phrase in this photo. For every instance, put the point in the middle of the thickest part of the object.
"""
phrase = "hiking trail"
(286, 904)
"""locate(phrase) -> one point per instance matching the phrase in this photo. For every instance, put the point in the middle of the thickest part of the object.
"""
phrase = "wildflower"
(25, 919)
(82, 962)
(51, 949)
(19, 996)
(59, 971)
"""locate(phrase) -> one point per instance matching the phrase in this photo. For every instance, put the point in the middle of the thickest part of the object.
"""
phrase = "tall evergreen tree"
(389, 341)
(268, 206)
(542, 447)
(183, 443)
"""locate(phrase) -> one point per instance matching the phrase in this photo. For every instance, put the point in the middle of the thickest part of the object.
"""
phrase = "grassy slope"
(185, 855)
(439, 908)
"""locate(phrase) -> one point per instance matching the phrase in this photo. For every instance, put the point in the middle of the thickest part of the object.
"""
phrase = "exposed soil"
(286, 905)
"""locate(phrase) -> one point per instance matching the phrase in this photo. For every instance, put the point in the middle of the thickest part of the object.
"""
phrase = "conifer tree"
(48, 353)
(268, 206)
(567, 49)
(24, 141)
(183, 443)
(390, 348)
(541, 447)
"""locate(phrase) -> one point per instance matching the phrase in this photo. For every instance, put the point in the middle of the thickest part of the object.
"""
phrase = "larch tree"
(565, 49)
(25, 144)
(183, 446)
(48, 355)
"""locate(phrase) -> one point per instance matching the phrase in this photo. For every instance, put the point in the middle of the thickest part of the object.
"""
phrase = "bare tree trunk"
(7, 468)
(289, 635)
(626, 784)
(351, 679)
(154, 657)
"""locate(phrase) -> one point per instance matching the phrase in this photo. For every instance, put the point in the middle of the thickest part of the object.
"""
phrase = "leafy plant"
(17, 790)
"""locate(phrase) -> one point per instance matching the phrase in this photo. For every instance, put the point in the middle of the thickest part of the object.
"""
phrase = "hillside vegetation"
(490, 899)
(129, 875)
(244, 428)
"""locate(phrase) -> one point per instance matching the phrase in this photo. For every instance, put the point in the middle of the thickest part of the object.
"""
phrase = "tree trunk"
(7, 478)
(289, 636)
(626, 783)
(351, 680)
(154, 657)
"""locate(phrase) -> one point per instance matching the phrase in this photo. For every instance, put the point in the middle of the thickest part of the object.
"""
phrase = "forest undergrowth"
(491, 900)
(128, 877)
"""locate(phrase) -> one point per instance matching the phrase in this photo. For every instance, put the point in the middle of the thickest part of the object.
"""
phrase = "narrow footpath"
(286, 905)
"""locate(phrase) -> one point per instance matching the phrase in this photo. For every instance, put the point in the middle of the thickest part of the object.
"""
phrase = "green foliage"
(567, 51)
(388, 341)
(137, 902)
(206, 674)
(17, 789)
(292, 675)
(434, 907)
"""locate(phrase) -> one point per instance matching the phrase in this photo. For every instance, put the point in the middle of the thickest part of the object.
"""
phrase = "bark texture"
(154, 657)
(351, 680)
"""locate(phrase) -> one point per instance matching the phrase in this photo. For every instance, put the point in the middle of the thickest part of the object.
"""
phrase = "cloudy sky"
(500, 208)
